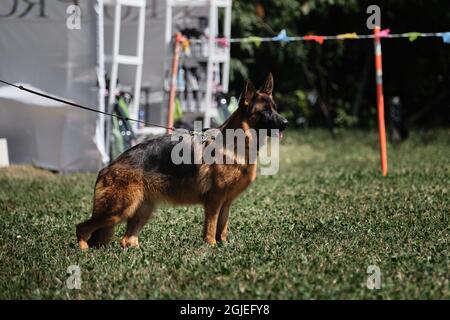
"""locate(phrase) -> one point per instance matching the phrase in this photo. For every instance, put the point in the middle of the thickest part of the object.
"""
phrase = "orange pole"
(380, 101)
(173, 81)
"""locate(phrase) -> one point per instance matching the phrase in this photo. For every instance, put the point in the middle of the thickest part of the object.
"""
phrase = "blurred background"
(340, 75)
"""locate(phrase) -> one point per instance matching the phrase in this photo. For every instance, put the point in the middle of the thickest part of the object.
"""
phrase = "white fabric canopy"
(46, 133)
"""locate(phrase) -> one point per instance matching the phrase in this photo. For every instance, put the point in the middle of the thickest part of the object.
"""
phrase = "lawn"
(309, 232)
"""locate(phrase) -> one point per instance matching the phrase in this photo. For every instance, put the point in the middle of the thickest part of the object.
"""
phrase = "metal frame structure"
(216, 55)
(116, 58)
(218, 58)
(100, 52)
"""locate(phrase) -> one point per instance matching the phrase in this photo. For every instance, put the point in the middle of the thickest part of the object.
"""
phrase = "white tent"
(46, 133)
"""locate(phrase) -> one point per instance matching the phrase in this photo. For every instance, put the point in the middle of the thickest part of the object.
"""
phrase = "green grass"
(309, 232)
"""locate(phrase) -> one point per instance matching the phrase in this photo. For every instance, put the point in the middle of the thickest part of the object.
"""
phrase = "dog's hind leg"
(102, 208)
(85, 229)
(101, 237)
(135, 224)
(108, 212)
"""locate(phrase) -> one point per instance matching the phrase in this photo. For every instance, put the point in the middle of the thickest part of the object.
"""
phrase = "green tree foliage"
(334, 83)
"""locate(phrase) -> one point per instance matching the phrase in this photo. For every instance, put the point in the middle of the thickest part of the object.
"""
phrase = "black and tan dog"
(132, 186)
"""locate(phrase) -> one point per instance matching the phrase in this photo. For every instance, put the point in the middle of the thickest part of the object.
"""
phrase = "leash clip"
(203, 135)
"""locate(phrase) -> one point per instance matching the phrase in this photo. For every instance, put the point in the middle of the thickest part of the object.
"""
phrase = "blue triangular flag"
(446, 37)
(282, 36)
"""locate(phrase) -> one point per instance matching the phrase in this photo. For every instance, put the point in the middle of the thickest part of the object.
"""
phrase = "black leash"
(87, 108)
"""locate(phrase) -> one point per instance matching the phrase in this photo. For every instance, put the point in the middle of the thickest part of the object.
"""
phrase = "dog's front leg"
(222, 223)
(212, 211)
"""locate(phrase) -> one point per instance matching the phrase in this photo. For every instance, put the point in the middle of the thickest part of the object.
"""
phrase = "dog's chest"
(234, 178)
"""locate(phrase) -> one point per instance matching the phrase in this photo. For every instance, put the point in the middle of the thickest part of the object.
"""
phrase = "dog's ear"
(248, 93)
(267, 88)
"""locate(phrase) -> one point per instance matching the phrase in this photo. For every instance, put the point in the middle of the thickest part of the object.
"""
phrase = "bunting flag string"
(283, 37)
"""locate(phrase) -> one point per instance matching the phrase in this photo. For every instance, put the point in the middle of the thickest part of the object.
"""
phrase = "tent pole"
(99, 7)
(173, 80)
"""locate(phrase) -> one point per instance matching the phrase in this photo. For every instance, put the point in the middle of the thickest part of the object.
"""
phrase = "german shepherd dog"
(132, 186)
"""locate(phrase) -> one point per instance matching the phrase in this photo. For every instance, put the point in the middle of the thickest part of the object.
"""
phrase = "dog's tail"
(101, 237)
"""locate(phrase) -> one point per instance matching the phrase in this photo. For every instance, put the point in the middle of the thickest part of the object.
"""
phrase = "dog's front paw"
(211, 241)
(83, 245)
(130, 242)
(222, 240)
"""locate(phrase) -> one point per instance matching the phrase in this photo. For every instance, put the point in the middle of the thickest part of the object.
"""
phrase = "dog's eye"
(272, 107)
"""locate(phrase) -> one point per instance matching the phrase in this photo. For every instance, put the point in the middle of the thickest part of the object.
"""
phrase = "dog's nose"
(284, 123)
